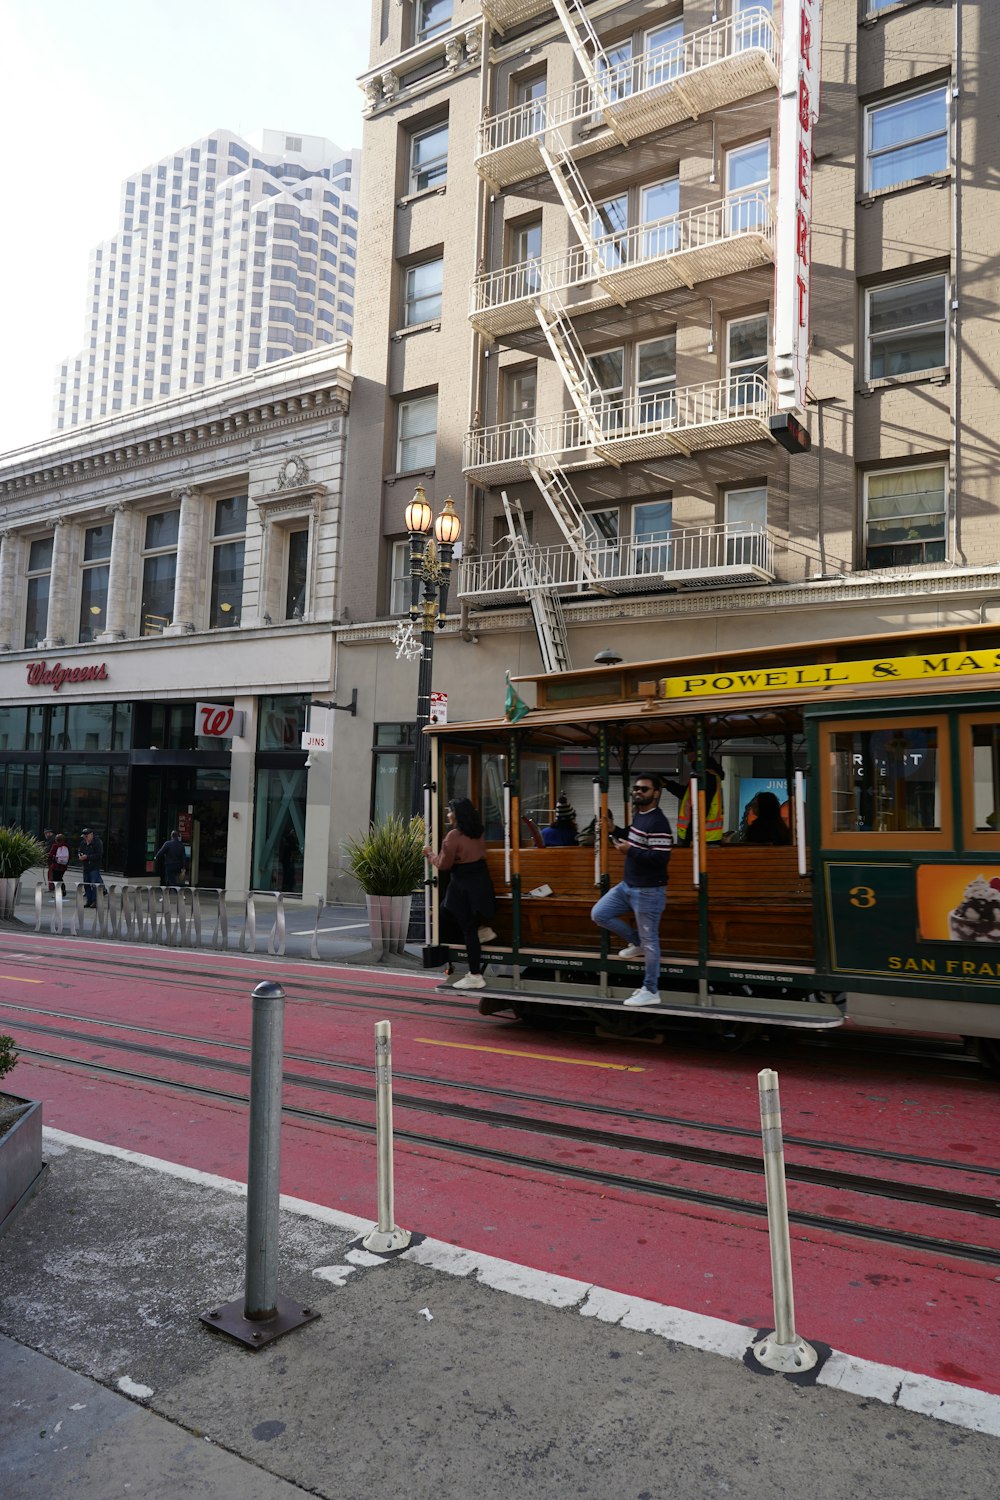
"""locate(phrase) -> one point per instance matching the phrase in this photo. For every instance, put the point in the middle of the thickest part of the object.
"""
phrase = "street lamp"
(430, 569)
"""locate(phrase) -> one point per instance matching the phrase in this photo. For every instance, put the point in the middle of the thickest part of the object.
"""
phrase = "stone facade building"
(168, 588)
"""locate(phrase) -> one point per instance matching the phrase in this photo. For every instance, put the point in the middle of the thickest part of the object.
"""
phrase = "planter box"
(388, 922)
(21, 1165)
(9, 889)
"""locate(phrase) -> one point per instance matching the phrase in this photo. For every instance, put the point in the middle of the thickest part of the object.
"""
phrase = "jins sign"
(801, 22)
(39, 675)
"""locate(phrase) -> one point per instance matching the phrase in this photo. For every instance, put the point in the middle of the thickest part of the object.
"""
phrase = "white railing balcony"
(721, 239)
(722, 63)
(685, 557)
(651, 425)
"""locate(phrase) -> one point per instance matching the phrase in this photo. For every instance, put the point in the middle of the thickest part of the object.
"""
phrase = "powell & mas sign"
(41, 675)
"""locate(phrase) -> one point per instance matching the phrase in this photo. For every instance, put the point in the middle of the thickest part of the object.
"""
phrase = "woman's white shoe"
(470, 982)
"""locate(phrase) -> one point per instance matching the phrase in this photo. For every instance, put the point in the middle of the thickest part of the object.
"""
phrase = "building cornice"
(459, 48)
(228, 413)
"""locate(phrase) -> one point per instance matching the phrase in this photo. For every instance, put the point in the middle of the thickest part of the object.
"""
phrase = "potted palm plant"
(388, 863)
(19, 851)
(21, 1165)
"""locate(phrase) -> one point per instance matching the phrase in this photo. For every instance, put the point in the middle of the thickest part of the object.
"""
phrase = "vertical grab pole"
(780, 1350)
(506, 832)
(386, 1236)
(695, 832)
(800, 819)
(428, 869)
(598, 841)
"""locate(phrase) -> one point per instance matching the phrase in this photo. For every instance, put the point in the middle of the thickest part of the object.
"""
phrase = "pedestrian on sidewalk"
(469, 900)
(172, 857)
(642, 894)
(91, 856)
(58, 860)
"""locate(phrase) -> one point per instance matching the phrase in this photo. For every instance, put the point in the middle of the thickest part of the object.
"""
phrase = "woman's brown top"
(458, 849)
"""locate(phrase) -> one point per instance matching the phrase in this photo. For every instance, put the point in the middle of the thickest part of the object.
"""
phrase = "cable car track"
(583, 1106)
(870, 1187)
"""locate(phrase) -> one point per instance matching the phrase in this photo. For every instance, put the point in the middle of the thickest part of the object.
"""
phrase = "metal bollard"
(780, 1350)
(262, 1314)
(386, 1235)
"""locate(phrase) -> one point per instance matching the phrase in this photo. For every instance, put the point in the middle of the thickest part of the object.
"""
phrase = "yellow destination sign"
(832, 674)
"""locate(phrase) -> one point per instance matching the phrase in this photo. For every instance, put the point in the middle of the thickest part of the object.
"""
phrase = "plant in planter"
(21, 1166)
(388, 864)
(19, 851)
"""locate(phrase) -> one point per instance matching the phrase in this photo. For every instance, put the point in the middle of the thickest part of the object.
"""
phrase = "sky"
(93, 90)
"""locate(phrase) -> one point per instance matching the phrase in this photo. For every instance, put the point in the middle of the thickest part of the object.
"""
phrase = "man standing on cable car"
(642, 894)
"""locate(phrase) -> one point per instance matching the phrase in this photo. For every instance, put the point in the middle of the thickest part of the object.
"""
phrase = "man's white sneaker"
(632, 951)
(643, 997)
(486, 935)
(470, 982)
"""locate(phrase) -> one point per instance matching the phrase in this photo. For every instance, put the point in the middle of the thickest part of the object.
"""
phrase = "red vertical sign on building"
(799, 87)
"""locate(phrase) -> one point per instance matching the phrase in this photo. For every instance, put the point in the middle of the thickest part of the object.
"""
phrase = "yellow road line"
(16, 978)
(573, 1062)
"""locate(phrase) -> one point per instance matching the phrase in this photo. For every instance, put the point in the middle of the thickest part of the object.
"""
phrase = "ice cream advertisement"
(959, 903)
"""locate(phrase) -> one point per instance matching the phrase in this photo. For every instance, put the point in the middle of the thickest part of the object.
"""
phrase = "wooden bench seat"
(759, 905)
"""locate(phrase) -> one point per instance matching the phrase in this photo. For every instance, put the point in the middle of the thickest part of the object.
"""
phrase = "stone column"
(122, 536)
(190, 561)
(9, 551)
(57, 626)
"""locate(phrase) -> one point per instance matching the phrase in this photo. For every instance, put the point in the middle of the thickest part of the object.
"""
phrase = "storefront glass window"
(88, 726)
(279, 830)
(282, 723)
(392, 776)
(13, 727)
(84, 801)
(122, 736)
(36, 723)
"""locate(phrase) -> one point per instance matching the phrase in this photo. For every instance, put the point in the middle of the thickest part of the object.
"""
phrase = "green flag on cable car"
(515, 707)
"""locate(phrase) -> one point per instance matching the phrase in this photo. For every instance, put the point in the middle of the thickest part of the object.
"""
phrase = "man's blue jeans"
(91, 880)
(644, 906)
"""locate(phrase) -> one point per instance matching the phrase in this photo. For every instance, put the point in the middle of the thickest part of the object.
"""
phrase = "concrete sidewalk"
(439, 1374)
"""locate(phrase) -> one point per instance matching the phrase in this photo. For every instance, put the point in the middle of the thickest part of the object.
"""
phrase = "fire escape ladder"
(582, 36)
(546, 610)
(572, 363)
(579, 205)
(558, 495)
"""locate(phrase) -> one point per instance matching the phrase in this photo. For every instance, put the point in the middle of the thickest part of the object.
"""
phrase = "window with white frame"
(528, 95)
(656, 377)
(601, 529)
(608, 370)
(663, 47)
(399, 578)
(416, 433)
(422, 287)
(906, 138)
(159, 571)
(748, 185)
(906, 327)
(746, 360)
(524, 249)
(750, 30)
(659, 203)
(651, 524)
(520, 394)
(745, 514)
(429, 158)
(228, 546)
(905, 516)
(609, 227)
(39, 576)
(432, 16)
(94, 575)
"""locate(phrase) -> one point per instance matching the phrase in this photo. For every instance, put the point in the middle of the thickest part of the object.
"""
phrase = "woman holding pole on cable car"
(469, 900)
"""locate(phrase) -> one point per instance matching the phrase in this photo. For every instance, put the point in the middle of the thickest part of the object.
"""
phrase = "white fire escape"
(630, 99)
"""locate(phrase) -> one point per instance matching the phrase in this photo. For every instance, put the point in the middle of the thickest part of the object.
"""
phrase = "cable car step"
(806, 1013)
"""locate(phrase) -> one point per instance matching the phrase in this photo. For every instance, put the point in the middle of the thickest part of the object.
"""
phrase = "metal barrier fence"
(175, 916)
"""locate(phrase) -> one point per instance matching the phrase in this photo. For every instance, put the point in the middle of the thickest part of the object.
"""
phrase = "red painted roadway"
(901, 1307)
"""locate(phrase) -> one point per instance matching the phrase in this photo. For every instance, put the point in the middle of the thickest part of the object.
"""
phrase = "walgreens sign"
(41, 675)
